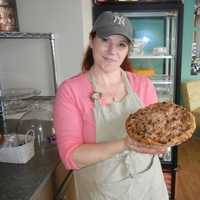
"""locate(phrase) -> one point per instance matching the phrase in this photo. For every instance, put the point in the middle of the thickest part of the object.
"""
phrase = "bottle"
(2, 115)
(1, 119)
(38, 119)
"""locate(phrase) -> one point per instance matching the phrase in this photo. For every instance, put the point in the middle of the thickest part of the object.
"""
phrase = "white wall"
(70, 20)
(87, 20)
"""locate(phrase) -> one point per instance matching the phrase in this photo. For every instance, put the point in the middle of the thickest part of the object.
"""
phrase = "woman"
(89, 116)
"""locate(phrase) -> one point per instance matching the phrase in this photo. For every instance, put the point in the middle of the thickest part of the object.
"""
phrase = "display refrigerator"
(157, 27)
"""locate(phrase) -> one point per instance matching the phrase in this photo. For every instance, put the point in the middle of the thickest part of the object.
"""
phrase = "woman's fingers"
(142, 148)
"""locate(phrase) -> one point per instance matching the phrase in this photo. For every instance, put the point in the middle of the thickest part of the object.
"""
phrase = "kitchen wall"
(69, 20)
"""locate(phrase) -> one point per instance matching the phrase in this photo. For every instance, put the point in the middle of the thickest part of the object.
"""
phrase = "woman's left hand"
(142, 148)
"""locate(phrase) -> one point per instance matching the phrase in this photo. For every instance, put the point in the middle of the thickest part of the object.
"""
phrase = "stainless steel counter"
(22, 181)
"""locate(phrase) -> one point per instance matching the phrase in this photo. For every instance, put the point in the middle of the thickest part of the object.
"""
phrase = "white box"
(18, 154)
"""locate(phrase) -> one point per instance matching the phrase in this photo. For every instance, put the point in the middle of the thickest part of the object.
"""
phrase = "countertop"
(22, 181)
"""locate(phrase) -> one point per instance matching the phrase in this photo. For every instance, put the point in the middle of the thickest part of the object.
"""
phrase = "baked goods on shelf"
(163, 123)
(144, 71)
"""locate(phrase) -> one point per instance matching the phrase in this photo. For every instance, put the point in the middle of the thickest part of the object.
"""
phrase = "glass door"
(154, 49)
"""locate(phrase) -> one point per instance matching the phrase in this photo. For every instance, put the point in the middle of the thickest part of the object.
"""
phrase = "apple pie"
(163, 123)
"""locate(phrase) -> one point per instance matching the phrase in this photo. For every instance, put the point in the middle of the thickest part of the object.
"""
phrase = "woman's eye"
(104, 39)
(123, 45)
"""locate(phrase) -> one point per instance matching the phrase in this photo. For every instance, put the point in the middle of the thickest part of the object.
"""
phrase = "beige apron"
(127, 175)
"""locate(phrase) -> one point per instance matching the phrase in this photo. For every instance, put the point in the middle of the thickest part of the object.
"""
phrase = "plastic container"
(160, 51)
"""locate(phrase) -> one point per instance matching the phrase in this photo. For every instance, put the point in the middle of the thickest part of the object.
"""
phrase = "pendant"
(96, 95)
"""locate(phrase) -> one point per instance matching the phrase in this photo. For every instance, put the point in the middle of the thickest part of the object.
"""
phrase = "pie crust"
(163, 123)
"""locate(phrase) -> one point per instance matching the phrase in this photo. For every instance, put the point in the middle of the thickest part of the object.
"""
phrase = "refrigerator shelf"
(150, 56)
(162, 79)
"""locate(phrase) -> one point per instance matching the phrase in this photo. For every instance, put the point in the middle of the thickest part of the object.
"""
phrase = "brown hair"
(88, 60)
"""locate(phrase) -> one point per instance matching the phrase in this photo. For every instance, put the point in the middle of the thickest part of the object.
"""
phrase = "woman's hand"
(142, 148)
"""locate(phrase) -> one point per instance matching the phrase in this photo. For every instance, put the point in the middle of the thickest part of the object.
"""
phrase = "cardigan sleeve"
(144, 88)
(148, 93)
(68, 124)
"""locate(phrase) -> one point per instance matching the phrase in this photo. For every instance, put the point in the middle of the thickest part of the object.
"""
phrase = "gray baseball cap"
(113, 23)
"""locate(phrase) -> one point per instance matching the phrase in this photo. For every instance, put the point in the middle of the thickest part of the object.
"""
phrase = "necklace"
(118, 94)
(113, 99)
(108, 92)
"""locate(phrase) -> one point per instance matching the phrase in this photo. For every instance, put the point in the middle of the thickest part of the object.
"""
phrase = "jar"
(40, 121)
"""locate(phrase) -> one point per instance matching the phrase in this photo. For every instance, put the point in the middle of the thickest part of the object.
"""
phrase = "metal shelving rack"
(167, 77)
(49, 37)
(26, 35)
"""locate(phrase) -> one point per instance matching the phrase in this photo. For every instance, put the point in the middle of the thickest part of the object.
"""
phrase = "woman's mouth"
(109, 59)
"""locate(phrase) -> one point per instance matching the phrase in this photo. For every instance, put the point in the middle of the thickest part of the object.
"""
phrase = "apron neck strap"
(97, 95)
(92, 79)
(126, 82)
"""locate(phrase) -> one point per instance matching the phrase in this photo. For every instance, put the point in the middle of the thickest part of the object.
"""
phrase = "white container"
(138, 47)
(18, 154)
(160, 51)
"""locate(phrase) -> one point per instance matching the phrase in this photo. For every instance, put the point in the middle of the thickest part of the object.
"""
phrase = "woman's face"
(110, 52)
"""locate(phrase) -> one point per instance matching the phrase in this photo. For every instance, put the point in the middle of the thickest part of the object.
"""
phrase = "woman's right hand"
(134, 145)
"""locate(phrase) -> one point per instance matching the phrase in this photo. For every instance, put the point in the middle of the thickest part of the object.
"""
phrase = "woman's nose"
(111, 48)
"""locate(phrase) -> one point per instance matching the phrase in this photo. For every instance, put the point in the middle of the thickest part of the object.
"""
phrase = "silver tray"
(19, 93)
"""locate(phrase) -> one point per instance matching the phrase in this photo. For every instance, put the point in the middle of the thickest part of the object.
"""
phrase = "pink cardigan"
(74, 121)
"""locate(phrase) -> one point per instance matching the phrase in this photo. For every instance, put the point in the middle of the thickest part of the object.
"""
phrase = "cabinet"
(58, 177)
(157, 24)
(63, 184)
(67, 191)
(45, 192)
(59, 186)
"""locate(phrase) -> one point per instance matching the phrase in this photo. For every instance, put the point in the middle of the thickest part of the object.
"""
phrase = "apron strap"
(97, 95)
(129, 88)
(126, 81)
(131, 164)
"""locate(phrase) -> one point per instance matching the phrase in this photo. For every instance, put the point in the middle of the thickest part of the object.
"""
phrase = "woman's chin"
(110, 69)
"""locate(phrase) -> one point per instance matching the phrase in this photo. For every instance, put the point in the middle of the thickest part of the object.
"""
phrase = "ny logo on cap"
(119, 20)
